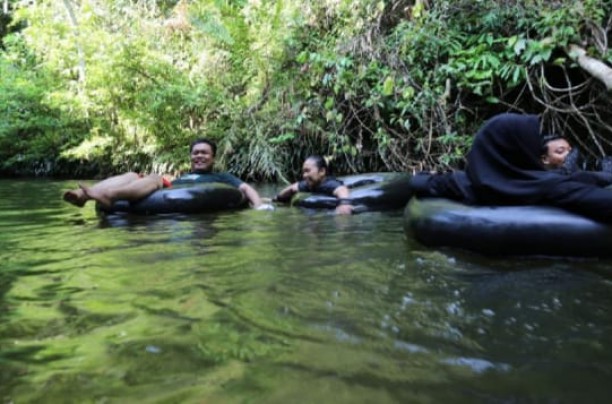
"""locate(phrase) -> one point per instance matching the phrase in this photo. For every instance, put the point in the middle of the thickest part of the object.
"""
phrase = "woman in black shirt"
(316, 178)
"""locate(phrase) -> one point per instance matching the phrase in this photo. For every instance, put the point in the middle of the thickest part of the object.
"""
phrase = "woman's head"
(554, 151)
(505, 161)
(314, 170)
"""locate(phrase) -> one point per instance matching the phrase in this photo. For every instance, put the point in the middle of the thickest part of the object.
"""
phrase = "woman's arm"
(599, 178)
(286, 193)
(344, 204)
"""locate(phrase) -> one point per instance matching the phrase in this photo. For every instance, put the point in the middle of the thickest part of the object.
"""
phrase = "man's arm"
(250, 194)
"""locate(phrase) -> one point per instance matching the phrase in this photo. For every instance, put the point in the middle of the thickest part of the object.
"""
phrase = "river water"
(283, 306)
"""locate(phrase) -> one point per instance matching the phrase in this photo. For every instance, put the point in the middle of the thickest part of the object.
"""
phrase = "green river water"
(283, 306)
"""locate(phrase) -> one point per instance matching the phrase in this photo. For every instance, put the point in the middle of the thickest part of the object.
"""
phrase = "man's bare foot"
(76, 197)
(99, 196)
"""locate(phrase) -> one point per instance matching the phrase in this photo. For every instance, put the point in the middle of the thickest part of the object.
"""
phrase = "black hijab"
(504, 165)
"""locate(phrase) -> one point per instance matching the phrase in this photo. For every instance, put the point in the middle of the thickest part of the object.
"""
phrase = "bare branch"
(593, 66)
(75, 26)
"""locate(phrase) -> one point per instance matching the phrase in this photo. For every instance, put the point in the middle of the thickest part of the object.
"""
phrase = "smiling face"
(556, 152)
(312, 174)
(202, 158)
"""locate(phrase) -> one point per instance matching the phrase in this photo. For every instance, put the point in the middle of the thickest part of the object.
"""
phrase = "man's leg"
(131, 190)
(78, 198)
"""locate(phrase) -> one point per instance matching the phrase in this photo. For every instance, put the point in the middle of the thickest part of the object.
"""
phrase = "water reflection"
(281, 306)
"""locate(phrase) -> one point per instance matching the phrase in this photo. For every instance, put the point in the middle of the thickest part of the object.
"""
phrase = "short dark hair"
(209, 142)
(547, 138)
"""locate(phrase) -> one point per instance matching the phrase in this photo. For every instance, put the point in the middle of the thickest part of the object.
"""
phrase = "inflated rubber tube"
(506, 230)
(198, 198)
(373, 191)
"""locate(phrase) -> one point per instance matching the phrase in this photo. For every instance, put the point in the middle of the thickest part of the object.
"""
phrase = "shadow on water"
(18, 213)
(546, 318)
(290, 305)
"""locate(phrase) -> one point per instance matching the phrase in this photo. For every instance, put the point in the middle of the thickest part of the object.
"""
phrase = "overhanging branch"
(594, 67)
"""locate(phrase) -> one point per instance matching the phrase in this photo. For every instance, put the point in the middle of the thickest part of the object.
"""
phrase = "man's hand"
(265, 206)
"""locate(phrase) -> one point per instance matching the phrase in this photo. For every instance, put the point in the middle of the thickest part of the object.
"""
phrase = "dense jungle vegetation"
(95, 87)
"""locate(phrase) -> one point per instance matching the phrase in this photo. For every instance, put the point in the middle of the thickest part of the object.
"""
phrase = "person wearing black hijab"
(560, 156)
(504, 167)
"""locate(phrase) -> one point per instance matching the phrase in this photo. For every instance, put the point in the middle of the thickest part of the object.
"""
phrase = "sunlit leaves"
(388, 86)
(281, 79)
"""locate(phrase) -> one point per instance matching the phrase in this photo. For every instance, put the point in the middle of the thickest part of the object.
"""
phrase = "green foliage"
(123, 85)
(36, 125)
(403, 99)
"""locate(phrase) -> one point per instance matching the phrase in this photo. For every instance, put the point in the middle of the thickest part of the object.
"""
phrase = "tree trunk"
(75, 26)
